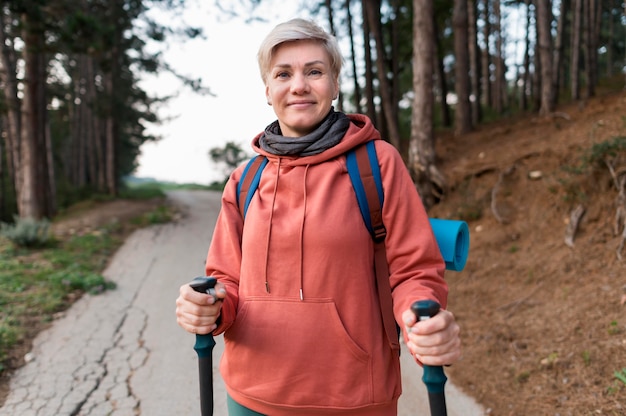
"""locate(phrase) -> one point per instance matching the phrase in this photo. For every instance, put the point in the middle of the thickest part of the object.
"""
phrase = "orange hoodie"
(301, 322)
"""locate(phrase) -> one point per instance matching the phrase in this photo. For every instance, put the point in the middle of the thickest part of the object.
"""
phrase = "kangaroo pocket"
(296, 353)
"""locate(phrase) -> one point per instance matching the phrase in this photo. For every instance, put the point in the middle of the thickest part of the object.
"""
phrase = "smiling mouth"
(300, 103)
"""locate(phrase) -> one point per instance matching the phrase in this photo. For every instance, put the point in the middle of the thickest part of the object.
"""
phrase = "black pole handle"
(434, 377)
(204, 284)
(204, 347)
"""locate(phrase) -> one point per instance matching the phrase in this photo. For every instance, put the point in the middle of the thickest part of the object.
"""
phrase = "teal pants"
(235, 409)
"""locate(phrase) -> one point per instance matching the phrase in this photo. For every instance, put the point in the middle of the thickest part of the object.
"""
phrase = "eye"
(282, 75)
(315, 72)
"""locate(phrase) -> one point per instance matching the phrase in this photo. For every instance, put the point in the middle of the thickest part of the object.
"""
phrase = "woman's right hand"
(197, 312)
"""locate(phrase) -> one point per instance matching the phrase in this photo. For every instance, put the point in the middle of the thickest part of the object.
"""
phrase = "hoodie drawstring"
(304, 190)
(269, 233)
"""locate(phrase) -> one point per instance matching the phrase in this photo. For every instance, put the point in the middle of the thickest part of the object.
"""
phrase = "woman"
(296, 288)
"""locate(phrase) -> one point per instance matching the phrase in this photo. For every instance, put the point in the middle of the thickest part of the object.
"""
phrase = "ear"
(267, 95)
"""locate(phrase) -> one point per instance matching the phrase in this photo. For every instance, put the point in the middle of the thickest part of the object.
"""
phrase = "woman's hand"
(197, 312)
(434, 341)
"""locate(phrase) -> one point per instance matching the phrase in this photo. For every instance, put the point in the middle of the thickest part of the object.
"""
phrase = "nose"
(299, 84)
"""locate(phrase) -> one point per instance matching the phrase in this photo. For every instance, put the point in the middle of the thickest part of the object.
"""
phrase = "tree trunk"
(527, 80)
(355, 74)
(51, 185)
(96, 146)
(610, 36)
(544, 19)
(331, 24)
(369, 73)
(28, 205)
(34, 193)
(110, 135)
(558, 50)
(12, 128)
(385, 87)
(595, 15)
(79, 122)
(536, 77)
(499, 89)
(575, 50)
(428, 179)
(3, 175)
(90, 133)
(586, 46)
(462, 115)
(440, 74)
(394, 81)
(474, 61)
(486, 57)
(5, 186)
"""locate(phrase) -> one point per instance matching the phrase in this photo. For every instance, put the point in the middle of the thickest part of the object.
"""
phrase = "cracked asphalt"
(121, 353)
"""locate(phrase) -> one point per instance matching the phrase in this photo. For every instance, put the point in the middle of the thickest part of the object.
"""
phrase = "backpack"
(362, 163)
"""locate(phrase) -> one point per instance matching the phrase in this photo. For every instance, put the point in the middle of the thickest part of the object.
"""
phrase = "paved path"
(121, 353)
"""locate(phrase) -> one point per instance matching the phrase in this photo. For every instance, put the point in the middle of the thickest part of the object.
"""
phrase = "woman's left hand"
(434, 341)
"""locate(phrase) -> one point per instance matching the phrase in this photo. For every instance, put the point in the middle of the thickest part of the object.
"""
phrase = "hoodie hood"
(361, 130)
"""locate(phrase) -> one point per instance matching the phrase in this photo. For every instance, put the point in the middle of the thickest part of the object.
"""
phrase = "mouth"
(301, 103)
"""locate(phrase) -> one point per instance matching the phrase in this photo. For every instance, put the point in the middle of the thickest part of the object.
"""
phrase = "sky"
(226, 62)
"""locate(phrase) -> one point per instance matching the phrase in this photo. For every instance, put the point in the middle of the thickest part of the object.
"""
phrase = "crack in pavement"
(114, 394)
(83, 364)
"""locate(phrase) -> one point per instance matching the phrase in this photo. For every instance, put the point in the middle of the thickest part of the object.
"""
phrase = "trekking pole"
(204, 347)
(433, 376)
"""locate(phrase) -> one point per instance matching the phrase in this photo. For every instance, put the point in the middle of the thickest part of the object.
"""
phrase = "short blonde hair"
(294, 30)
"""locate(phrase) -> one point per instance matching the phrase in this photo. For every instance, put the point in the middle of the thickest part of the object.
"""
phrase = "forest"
(73, 116)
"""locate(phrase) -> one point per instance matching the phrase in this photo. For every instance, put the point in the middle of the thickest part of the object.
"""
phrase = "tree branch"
(572, 226)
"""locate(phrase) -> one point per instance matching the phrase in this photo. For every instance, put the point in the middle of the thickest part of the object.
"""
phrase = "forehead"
(299, 52)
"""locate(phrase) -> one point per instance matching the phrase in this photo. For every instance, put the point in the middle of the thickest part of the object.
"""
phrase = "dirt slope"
(544, 324)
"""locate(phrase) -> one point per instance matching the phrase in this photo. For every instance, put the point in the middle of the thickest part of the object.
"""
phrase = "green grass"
(621, 375)
(168, 186)
(38, 281)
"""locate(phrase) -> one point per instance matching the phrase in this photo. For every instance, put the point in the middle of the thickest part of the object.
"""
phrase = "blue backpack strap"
(249, 182)
(364, 172)
(362, 164)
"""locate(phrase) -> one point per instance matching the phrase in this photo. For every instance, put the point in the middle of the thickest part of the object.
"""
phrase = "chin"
(301, 128)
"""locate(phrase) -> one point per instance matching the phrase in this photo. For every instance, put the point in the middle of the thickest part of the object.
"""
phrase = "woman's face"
(300, 86)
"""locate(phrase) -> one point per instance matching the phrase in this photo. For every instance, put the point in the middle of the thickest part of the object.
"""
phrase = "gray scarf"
(329, 133)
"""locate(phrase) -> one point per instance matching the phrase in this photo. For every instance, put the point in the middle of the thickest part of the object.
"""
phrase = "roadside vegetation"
(42, 274)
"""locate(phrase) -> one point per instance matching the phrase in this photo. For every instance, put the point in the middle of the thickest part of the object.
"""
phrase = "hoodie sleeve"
(224, 256)
(416, 267)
